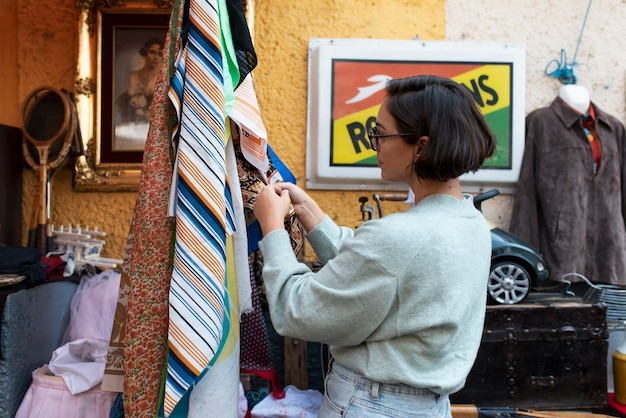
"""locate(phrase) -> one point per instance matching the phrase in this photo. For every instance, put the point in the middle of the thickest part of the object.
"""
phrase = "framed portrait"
(120, 51)
(130, 60)
(347, 79)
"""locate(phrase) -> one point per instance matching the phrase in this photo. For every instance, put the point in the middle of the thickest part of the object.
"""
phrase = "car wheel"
(509, 283)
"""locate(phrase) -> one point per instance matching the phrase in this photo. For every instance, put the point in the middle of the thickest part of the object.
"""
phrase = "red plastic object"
(621, 408)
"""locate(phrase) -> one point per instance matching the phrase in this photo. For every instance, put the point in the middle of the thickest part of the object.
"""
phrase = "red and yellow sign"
(358, 88)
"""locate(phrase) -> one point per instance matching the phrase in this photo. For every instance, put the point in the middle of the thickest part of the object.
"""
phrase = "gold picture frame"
(101, 169)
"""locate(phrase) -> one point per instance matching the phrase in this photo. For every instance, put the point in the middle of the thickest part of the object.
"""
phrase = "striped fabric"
(203, 207)
(247, 115)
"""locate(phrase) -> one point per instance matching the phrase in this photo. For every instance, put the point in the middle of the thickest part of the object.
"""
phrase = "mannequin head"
(577, 97)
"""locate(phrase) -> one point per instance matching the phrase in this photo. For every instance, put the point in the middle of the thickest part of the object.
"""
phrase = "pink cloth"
(81, 360)
(49, 397)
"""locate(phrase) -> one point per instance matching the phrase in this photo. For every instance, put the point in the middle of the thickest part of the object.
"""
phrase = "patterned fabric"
(255, 344)
(138, 348)
(256, 350)
(199, 302)
(138, 344)
(594, 140)
(254, 172)
(252, 181)
(217, 389)
(247, 116)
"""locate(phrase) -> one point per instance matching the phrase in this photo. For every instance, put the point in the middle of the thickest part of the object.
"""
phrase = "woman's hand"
(307, 210)
(271, 207)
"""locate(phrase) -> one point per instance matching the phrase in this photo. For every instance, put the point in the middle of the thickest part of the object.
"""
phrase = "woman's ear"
(420, 145)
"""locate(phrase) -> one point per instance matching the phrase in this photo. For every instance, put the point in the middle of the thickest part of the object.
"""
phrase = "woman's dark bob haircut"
(441, 109)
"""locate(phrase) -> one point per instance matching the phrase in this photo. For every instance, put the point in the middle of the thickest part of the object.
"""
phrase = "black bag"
(20, 268)
(22, 261)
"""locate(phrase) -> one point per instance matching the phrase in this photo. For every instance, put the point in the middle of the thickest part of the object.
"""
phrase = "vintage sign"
(347, 85)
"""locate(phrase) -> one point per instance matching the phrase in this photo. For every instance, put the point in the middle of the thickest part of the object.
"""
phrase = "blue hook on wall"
(564, 71)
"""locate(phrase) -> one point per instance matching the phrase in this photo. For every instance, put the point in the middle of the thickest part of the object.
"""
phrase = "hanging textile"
(138, 345)
(256, 355)
(242, 41)
(256, 350)
(217, 389)
(214, 53)
(254, 171)
(200, 308)
(252, 181)
(253, 138)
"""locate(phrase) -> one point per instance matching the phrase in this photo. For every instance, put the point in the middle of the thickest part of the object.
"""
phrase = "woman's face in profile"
(154, 54)
(395, 157)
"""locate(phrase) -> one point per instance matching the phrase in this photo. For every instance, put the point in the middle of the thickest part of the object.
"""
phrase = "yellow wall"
(281, 33)
(9, 113)
(43, 52)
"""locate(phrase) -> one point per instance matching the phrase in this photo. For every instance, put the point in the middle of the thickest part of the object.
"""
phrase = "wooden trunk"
(544, 354)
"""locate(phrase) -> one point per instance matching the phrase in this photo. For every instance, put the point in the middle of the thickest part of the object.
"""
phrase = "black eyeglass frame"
(374, 137)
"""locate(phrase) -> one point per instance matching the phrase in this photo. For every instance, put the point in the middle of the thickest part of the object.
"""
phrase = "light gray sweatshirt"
(400, 300)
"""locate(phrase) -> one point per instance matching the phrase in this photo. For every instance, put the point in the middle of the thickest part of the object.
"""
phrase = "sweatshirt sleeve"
(326, 238)
(338, 305)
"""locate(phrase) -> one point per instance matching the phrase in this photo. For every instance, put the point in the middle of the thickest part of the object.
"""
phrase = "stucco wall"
(546, 27)
(45, 51)
(281, 34)
(9, 113)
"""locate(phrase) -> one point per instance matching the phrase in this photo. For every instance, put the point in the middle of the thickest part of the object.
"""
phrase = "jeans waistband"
(348, 374)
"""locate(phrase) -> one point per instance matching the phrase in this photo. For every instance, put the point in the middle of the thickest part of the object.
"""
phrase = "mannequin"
(577, 97)
(568, 200)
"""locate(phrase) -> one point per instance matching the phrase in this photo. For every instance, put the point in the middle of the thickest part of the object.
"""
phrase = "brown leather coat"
(575, 219)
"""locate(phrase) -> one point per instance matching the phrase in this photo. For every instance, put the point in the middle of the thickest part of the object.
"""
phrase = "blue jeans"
(349, 394)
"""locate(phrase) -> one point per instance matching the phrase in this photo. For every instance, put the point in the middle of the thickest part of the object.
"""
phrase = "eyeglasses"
(374, 137)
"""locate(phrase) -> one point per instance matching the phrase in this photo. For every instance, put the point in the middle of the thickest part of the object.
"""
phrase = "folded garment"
(80, 363)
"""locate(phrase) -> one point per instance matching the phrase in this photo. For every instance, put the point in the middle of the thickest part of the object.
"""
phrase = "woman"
(134, 104)
(401, 301)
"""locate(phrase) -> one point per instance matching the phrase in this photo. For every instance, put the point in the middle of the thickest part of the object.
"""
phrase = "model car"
(516, 267)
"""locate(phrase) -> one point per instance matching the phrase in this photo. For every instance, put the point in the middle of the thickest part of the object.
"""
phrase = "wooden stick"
(561, 414)
(472, 411)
